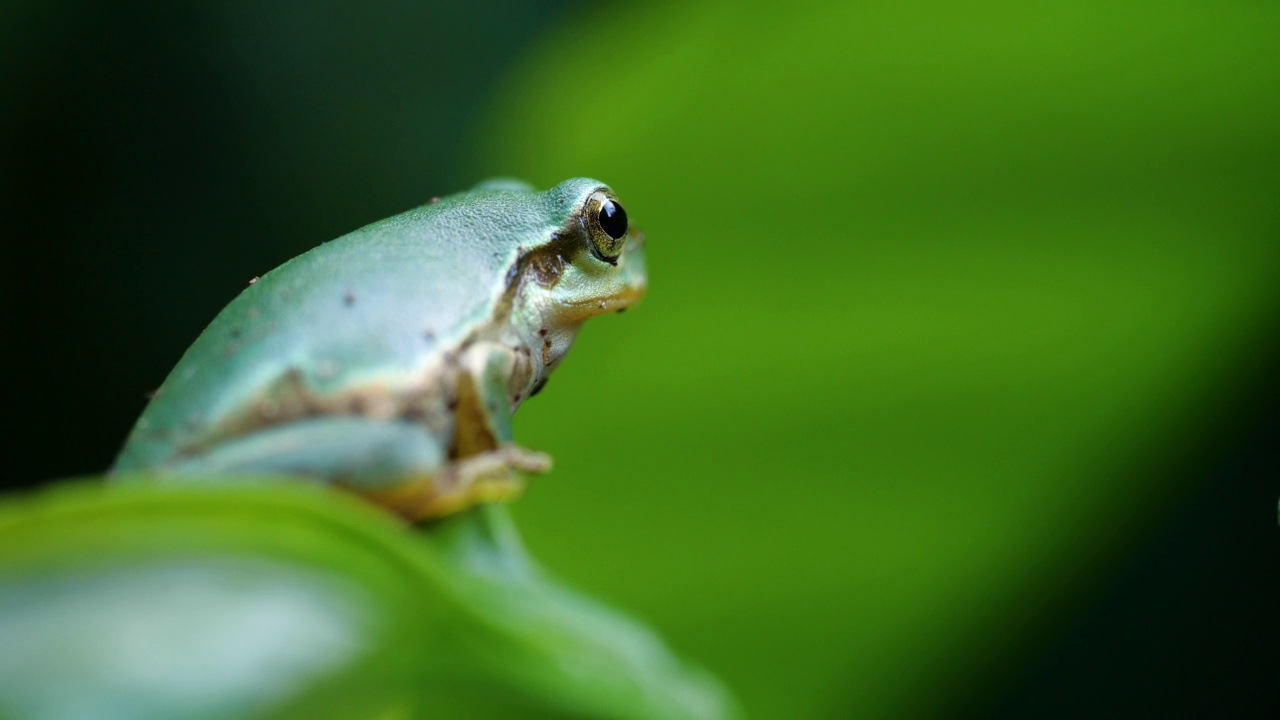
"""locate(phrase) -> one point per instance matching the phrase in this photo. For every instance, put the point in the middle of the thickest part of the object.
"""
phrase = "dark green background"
(955, 389)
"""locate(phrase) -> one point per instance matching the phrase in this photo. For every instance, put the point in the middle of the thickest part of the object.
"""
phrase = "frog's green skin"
(390, 360)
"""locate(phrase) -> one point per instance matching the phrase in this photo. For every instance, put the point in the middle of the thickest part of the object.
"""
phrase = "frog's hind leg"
(396, 464)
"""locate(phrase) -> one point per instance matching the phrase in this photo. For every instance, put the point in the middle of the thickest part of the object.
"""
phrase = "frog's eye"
(607, 225)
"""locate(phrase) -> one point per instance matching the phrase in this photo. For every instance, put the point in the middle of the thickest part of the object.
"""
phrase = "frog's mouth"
(612, 303)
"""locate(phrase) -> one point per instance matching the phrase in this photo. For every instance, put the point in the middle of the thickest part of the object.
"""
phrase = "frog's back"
(376, 307)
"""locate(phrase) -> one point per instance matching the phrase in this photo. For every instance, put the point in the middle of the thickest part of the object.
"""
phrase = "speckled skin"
(388, 357)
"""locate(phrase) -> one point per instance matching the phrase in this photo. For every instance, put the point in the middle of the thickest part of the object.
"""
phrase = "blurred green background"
(954, 392)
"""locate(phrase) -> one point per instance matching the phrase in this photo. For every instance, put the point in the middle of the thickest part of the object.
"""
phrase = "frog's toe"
(449, 492)
(477, 491)
(524, 460)
(489, 477)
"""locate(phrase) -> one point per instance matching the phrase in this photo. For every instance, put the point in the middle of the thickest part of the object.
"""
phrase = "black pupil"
(613, 219)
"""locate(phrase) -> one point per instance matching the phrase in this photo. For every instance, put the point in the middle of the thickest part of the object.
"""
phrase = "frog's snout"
(632, 271)
(635, 238)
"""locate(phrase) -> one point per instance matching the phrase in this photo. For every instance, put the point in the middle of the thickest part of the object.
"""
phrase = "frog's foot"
(489, 477)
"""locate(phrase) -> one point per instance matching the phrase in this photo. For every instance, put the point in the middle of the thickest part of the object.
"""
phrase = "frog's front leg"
(485, 478)
(488, 373)
(485, 463)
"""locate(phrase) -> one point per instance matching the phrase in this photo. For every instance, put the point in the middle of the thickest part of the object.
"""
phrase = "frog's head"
(589, 262)
(594, 262)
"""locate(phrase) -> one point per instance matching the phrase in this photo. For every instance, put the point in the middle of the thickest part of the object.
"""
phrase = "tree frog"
(389, 361)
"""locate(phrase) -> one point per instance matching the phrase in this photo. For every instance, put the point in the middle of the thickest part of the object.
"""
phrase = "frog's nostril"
(635, 239)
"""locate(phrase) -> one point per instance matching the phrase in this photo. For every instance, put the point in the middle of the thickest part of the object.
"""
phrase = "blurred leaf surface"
(149, 601)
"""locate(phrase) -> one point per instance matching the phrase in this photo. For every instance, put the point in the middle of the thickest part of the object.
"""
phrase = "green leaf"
(203, 601)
